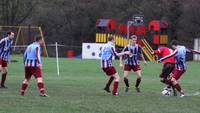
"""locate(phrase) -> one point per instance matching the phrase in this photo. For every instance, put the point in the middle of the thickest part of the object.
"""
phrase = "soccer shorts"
(133, 67)
(167, 69)
(35, 71)
(3, 63)
(177, 73)
(109, 70)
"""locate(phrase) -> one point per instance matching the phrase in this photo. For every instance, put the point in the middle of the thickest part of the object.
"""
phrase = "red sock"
(178, 87)
(138, 82)
(126, 81)
(23, 88)
(3, 79)
(109, 82)
(41, 88)
(115, 88)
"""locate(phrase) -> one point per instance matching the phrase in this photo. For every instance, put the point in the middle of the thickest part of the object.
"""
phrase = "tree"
(15, 12)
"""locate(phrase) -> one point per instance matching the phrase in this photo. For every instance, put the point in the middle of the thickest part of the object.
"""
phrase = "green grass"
(78, 89)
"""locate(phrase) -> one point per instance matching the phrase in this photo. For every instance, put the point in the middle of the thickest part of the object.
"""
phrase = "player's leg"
(138, 80)
(116, 83)
(167, 69)
(28, 73)
(174, 79)
(170, 69)
(137, 69)
(40, 83)
(24, 85)
(4, 74)
(126, 81)
(127, 69)
(41, 86)
(107, 87)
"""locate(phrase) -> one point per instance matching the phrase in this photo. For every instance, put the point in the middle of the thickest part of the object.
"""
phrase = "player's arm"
(141, 55)
(121, 57)
(119, 54)
(168, 56)
(156, 52)
(38, 56)
(2, 43)
(121, 61)
(25, 55)
(192, 51)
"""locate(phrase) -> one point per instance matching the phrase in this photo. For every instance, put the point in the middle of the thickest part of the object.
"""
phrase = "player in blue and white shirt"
(33, 66)
(132, 62)
(180, 64)
(5, 47)
(107, 53)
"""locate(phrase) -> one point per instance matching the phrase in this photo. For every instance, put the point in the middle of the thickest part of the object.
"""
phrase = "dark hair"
(110, 38)
(9, 32)
(174, 42)
(38, 38)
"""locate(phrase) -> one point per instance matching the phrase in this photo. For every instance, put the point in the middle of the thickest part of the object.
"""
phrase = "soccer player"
(168, 65)
(132, 62)
(5, 47)
(180, 64)
(107, 52)
(33, 66)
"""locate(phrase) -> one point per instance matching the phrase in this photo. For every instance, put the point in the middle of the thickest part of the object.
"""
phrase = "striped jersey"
(32, 56)
(136, 51)
(180, 58)
(107, 52)
(5, 47)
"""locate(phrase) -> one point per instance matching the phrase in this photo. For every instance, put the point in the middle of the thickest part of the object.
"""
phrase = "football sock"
(126, 81)
(23, 88)
(178, 87)
(3, 79)
(138, 82)
(109, 82)
(115, 87)
(41, 88)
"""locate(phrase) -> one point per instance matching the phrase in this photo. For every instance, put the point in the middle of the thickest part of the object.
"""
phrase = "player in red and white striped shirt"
(33, 65)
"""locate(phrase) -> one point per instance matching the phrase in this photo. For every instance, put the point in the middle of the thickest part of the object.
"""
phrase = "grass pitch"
(78, 89)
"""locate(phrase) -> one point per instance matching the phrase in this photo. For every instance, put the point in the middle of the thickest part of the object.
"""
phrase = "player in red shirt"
(168, 64)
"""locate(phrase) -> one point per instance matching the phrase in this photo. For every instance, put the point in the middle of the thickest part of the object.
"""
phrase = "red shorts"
(177, 73)
(3, 63)
(35, 71)
(109, 70)
(133, 67)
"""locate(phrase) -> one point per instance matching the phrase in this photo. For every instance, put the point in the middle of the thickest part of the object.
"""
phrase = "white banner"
(91, 50)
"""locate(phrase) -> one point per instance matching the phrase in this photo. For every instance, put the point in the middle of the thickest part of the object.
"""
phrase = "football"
(166, 92)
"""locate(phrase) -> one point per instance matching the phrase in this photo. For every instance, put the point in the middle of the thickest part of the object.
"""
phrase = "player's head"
(133, 39)
(39, 40)
(11, 34)
(174, 44)
(111, 39)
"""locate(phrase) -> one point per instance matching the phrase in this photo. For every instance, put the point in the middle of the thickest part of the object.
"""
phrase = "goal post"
(23, 35)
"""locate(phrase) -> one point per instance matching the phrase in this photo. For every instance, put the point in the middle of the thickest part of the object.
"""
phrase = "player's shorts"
(133, 67)
(167, 69)
(3, 63)
(35, 71)
(109, 70)
(177, 73)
